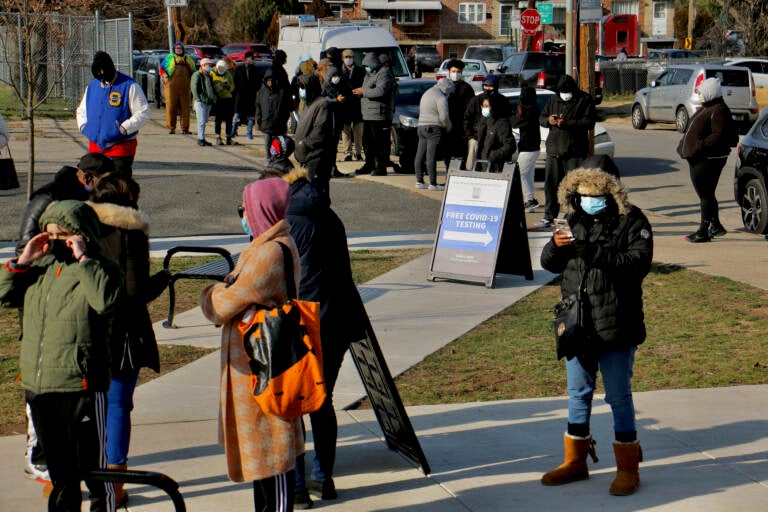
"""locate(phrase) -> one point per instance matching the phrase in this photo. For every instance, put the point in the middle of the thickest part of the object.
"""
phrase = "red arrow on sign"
(530, 19)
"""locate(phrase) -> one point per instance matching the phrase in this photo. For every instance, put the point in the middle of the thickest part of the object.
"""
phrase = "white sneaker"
(36, 472)
(420, 184)
(436, 187)
(542, 224)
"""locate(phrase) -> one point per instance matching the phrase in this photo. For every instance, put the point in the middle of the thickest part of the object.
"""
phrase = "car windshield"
(471, 67)
(730, 78)
(411, 93)
(395, 56)
(484, 53)
(544, 61)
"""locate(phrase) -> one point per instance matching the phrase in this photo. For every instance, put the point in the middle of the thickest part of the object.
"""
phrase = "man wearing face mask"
(176, 74)
(377, 97)
(454, 142)
(352, 134)
(607, 253)
(112, 111)
(570, 115)
(434, 121)
(273, 107)
(316, 134)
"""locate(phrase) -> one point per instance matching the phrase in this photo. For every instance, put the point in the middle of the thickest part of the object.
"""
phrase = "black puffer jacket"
(326, 274)
(273, 106)
(496, 142)
(618, 254)
(316, 132)
(712, 132)
(65, 185)
(572, 139)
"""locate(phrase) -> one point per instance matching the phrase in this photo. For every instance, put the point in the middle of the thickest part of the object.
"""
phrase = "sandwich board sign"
(482, 228)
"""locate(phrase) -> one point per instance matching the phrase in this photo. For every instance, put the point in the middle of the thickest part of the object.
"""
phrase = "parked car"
(758, 67)
(426, 56)
(237, 51)
(406, 116)
(658, 60)
(673, 97)
(541, 70)
(491, 54)
(751, 176)
(474, 72)
(147, 75)
(204, 50)
(604, 145)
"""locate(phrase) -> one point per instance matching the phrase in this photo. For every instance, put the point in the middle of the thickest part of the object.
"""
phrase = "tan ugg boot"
(575, 466)
(628, 458)
(121, 497)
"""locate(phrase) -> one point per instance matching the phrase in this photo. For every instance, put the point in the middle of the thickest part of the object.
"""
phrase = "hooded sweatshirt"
(572, 139)
(433, 107)
(273, 106)
(377, 103)
(68, 308)
(712, 131)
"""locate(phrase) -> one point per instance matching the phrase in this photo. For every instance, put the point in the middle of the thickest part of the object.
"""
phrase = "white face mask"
(486, 111)
(455, 76)
(302, 92)
(349, 61)
(566, 96)
(335, 80)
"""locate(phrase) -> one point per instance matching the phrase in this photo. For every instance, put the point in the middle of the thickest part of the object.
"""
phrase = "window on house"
(410, 17)
(472, 13)
(453, 52)
(505, 19)
(624, 7)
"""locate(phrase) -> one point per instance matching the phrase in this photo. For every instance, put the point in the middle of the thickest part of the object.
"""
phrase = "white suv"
(673, 97)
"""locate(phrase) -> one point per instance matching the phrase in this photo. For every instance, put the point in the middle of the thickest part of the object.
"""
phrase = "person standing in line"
(176, 73)
(352, 134)
(622, 55)
(377, 97)
(278, 67)
(273, 108)
(455, 142)
(570, 115)
(125, 239)
(495, 140)
(224, 86)
(607, 254)
(337, 93)
(257, 446)
(434, 122)
(112, 111)
(316, 134)
(526, 121)
(705, 145)
(473, 116)
(69, 292)
(204, 97)
(247, 85)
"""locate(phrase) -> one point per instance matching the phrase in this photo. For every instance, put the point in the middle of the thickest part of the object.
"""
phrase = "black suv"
(539, 69)
(427, 57)
(751, 176)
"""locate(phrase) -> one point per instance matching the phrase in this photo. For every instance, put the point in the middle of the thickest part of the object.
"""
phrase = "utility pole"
(691, 20)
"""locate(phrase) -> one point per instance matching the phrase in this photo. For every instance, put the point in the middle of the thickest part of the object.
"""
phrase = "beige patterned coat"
(257, 446)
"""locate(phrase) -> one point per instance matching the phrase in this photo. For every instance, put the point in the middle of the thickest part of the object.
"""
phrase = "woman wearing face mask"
(495, 140)
(611, 247)
(224, 85)
(257, 447)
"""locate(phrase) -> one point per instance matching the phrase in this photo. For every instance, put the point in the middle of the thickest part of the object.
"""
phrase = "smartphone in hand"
(562, 226)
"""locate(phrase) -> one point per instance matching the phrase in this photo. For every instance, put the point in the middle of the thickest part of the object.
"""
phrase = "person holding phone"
(610, 246)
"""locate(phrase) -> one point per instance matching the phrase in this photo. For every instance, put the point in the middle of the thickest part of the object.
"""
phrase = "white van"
(303, 38)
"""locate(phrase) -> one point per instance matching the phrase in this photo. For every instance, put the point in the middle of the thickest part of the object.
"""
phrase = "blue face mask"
(593, 205)
(246, 228)
(368, 69)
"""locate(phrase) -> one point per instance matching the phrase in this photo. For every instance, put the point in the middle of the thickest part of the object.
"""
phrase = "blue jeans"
(429, 140)
(202, 112)
(616, 369)
(119, 407)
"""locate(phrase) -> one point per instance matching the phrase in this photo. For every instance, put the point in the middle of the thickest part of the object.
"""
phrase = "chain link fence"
(52, 54)
(629, 76)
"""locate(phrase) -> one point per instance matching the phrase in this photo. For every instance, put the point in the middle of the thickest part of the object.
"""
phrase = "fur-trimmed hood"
(121, 217)
(295, 174)
(592, 182)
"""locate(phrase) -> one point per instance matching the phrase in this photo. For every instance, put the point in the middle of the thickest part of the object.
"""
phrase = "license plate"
(739, 117)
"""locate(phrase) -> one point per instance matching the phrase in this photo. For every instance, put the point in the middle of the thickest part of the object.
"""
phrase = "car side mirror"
(500, 69)
(654, 83)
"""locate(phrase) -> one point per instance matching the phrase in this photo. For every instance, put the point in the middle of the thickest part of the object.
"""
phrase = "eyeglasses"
(240, 211)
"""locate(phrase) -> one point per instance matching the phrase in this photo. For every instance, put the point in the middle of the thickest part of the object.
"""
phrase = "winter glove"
(584, 250)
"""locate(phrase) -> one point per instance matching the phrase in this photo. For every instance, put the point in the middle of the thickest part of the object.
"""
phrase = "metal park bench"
(159, 480)
(215, 270)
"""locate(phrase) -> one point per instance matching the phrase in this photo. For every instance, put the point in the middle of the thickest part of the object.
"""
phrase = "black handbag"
(572, 323)
(8, 177)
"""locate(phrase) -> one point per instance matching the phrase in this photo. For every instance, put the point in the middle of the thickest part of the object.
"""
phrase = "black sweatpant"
(705, 174)
(554, 171)
(376, 139)
(72, 430)
(274, 494)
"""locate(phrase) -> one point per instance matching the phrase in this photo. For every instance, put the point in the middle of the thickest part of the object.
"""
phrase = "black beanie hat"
(96, 163)
(103, 68)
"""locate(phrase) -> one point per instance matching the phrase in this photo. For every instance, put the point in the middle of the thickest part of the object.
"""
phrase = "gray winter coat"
(378, 91)
(433, 107)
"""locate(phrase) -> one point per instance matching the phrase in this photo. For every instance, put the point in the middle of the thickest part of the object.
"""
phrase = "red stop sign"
(530, 19)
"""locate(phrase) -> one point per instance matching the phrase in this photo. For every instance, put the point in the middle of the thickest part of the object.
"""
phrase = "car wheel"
(158, 97)
(753, 207)
(394, 146)
(681, 119)
(639, 122)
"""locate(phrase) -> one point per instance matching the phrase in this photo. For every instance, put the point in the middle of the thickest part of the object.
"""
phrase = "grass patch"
(365, 266)
(703, 331)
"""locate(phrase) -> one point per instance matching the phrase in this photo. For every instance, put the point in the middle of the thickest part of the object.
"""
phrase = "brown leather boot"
(628, 458)
(574, 467)
(121, 497)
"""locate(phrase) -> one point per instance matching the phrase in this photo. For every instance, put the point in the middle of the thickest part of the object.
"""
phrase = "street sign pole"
(170, 29)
